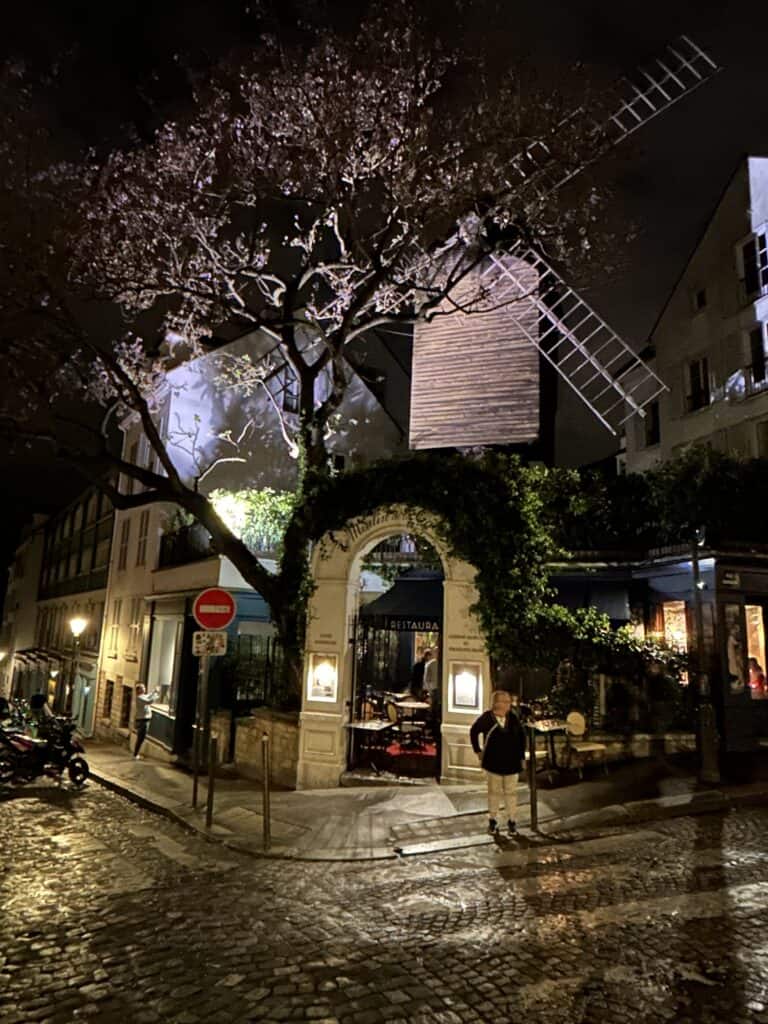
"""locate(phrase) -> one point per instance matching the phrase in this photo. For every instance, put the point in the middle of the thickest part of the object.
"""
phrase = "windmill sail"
(602, 369)
(651, 90)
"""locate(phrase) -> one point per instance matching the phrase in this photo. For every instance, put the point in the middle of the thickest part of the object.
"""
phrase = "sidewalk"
(375, 823)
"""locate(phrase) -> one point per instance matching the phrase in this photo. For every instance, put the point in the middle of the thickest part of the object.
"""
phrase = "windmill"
(526, 312)
(543, 316)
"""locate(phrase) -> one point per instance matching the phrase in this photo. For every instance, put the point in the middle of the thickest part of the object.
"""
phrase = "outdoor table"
(410, 708)
(369, 728)
(550, 727)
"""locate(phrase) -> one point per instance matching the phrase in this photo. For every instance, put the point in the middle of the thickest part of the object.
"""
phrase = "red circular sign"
(214, 608)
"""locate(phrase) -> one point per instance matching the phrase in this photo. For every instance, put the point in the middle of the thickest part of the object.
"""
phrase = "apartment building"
(709, 343)
(160, 561)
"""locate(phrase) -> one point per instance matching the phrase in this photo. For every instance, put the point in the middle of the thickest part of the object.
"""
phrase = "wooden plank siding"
(475, 377)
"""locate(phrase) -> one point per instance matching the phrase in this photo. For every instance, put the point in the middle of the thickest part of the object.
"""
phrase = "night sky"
(123, 69)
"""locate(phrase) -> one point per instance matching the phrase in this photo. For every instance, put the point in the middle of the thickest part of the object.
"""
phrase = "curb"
(572, 829)
(230, 841)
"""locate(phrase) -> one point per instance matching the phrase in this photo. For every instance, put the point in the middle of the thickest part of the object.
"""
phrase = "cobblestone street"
(110, 913)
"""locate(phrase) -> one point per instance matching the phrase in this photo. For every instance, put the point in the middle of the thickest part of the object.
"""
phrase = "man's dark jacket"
(503, 748)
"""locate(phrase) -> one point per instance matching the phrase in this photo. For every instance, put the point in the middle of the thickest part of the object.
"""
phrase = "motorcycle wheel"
(6, 770)
(78, 771)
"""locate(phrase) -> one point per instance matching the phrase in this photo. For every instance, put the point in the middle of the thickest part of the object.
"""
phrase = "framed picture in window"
(323, 679)
(465, 686)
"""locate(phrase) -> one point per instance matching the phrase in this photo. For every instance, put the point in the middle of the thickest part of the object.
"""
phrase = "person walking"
(501, 756)
(143, 715)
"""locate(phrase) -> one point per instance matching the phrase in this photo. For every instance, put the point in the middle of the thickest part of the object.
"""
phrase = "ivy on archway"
(502, 516)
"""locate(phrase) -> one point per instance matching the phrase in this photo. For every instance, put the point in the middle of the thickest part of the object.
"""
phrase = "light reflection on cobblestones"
(108, 913)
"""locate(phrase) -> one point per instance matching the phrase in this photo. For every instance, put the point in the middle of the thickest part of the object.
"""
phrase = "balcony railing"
(188, 544)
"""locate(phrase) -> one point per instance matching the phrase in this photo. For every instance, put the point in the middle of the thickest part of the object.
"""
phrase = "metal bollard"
(267, 829)
(532, 780)
(212, 758)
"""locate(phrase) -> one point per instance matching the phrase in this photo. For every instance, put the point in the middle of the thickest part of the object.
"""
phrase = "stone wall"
(283, 731)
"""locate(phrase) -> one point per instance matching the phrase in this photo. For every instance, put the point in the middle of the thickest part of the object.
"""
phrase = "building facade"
(18, 655)
(161, 561)
(56, 606)
(709, 343)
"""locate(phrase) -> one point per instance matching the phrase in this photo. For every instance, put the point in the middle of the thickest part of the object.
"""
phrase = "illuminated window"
(114, 628)
(134, 627)
(756, 650)
(675, 625)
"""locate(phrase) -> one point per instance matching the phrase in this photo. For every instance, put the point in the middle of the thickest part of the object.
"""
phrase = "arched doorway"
(332, 698)
(396, 710)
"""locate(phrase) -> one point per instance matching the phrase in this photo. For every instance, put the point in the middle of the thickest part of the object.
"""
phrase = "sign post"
(213, 610)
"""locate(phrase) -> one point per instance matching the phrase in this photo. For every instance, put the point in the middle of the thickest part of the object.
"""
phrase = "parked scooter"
(54, 751)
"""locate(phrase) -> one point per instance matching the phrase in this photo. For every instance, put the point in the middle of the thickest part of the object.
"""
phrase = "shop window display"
(756, 652)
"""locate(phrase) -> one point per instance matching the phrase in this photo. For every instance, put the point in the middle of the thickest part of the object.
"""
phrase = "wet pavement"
(374, 822)
(111, 913)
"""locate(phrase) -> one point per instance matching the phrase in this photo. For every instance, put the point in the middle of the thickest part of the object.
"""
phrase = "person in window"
(757, 687)
(501, 756)
(143, 715)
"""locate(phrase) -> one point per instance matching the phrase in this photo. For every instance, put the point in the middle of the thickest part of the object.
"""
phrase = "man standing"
(430, 675)
(417, 673)
(501, 756)
(143, 715)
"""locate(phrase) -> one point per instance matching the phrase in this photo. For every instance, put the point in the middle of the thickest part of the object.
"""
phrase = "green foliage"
(701, 488)
(500, 516)
(258, 518)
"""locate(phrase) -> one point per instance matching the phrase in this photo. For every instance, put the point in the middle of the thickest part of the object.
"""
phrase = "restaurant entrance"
(397, 667)
(369, 563)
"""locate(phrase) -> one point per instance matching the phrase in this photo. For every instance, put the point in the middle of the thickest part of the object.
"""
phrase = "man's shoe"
(493, 827)
(511, 828)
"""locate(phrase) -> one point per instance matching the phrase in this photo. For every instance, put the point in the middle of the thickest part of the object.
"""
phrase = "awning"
(34, 656)
(414, 603)
(610, 598)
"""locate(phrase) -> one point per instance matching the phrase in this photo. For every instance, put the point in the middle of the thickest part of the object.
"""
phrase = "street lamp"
(77, 626)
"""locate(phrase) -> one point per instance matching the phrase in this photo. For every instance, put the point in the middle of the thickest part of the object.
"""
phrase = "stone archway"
(327, 685)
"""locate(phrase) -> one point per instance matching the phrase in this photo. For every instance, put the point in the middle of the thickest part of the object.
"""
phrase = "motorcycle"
(54, 751)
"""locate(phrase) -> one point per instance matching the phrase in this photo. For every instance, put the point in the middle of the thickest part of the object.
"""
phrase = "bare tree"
(313, 193)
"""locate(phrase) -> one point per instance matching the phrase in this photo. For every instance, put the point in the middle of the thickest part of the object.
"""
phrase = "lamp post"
(77, 626)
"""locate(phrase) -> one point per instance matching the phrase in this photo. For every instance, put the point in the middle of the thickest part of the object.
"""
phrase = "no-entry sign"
(214, 608)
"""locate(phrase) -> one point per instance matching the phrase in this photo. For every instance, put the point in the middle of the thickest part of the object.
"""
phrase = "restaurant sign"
(410, 625)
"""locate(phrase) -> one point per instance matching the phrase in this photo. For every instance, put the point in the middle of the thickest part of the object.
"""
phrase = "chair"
(408, 734)
(366, 711)
(580, 748)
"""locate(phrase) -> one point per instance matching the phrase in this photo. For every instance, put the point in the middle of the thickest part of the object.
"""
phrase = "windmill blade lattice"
(651, 91)
(592, 359)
